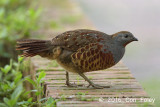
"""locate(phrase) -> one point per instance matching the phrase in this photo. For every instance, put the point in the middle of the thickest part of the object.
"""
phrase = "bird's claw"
(98, 86)
(73, 85)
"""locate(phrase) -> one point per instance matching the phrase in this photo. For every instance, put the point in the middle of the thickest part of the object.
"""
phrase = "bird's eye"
(126, 36)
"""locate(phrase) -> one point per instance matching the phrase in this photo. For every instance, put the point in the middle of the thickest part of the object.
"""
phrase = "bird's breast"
(118, 53)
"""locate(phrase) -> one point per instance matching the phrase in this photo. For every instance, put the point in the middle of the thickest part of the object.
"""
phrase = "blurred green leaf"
(16, 18)
(30, 99)
(6, 69)
(3, 105)
(20, 59)
(31, 81)
(7, 101)
(43, 99)
(34, 90)
(38, 93)
(41, 76)
(18, 77)
(51, 102)
(15, 95)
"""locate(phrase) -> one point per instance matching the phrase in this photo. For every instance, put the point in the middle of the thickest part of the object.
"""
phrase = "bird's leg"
(91, 83)
(68, 83)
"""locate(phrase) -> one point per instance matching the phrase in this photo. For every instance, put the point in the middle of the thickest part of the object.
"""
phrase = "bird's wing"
(94, 56)
(73, 40)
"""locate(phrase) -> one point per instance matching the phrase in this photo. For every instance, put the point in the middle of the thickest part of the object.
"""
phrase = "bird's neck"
(118, 53)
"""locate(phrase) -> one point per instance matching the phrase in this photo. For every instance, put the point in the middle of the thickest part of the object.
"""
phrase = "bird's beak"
(135, 39)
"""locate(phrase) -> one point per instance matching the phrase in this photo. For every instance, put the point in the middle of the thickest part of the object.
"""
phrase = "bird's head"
(123, 38)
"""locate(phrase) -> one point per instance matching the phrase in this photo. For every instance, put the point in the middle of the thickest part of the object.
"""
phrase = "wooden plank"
(123, 86)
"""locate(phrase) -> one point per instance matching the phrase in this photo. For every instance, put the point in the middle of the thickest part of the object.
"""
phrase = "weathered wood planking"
(123, 86)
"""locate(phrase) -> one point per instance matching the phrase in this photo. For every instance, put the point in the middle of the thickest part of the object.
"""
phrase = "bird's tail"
(32, 47)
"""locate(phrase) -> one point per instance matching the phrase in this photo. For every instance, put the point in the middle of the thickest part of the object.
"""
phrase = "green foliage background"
(12, 90)
(17, 19)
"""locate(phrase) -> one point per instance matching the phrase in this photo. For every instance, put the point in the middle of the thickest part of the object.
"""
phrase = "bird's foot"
(98, 86)
(73, 84)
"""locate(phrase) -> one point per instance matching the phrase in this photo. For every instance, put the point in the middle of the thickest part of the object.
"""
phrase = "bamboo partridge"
(80, 51)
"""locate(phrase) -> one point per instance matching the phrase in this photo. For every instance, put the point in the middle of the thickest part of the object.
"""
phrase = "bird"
(80, 51)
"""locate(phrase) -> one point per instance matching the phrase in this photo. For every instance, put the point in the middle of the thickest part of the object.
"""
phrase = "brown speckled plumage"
(80, 50)
(92, 58)
(73, 40)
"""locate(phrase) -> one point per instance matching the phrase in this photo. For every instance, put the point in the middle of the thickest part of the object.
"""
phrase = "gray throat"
(118, 53)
